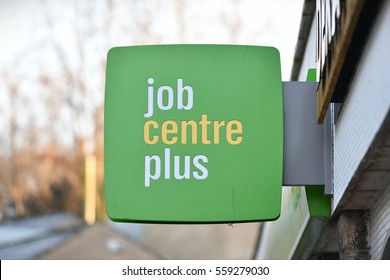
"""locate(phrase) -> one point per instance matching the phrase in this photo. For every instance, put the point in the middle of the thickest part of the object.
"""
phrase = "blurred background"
(52, 71)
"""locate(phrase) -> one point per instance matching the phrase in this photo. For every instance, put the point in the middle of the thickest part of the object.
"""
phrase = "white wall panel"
(366, 106)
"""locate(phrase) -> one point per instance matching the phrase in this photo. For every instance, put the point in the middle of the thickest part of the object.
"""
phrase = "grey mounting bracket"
(307, 145)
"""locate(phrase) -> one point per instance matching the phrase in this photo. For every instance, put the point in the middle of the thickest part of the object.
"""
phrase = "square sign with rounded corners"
(193, 134)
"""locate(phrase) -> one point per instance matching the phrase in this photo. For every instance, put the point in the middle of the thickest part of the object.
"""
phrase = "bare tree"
(45, 154)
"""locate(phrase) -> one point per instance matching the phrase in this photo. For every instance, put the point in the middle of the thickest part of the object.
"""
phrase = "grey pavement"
(134, 231)
(100, 242)
(201, 242)
(32, 249)
(27, 238)
(173, 241)
(16, 231)
(64, 236)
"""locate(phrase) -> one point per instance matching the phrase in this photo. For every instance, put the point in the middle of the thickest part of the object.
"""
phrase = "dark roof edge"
(308, 12)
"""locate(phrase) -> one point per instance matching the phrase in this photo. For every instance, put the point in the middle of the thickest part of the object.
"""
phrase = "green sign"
(193, 134)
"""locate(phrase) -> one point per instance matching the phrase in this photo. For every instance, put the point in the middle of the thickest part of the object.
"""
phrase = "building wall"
(367, 103)
(365, 107)
(279, 239)
(309, 58)
(363, 112)
(380, 224)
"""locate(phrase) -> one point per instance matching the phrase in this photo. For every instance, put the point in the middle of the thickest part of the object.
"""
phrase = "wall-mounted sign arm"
(303, 155)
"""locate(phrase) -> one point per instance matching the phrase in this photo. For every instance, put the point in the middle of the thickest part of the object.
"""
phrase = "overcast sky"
(262, 22)
(39, 37)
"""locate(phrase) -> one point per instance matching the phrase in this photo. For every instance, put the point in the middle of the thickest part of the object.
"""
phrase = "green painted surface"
(209, 149)
(280, 238)
(302, 220)
(319, 205)
(311, 75)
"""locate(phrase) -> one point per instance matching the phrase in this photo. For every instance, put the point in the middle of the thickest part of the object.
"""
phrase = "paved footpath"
(65, 236)
(100, 242)
(24, 239)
